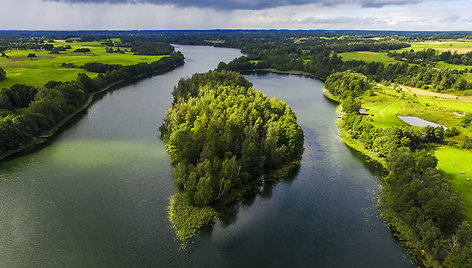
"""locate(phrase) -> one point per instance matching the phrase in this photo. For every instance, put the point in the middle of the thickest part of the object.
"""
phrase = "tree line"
(431, 55)
(318, 57)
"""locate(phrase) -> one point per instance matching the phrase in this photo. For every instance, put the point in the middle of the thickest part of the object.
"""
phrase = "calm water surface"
(96, 194)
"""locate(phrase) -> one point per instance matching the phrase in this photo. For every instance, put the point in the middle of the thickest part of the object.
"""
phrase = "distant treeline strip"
(28, 112)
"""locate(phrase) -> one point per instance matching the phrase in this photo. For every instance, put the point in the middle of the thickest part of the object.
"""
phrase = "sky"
(413, 15)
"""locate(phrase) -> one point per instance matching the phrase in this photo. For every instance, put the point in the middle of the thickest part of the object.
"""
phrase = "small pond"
(419, 122)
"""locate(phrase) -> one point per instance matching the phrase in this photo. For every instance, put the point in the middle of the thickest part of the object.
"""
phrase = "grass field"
(45, 67)
(385, 114)
(367, 56)
(462, 46)
(388, 103)
(452, 161)
(459, 67)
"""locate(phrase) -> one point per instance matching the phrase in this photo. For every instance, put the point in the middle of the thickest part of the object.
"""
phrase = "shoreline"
(115, 85)
(416, 252)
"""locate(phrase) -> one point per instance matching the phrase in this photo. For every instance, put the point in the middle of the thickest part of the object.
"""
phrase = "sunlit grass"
(367, 57)
(443, 45)
(388, 103)
(453, 161)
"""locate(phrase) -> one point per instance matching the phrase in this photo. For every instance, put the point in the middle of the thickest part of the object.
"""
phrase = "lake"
(95, 195)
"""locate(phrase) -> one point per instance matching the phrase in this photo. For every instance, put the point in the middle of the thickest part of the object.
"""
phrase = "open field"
(452, 161)
(459, 67)
(367, 56)
(459, 46)
(388, 103)
(384, 114)
(45, 67)
(445, 109)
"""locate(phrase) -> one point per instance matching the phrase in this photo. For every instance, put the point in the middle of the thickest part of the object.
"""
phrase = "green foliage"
(151, 48)
(451, 132)
(3, 74)
(453, 162)
(467, 120)
(416, 195)
(319, 58)
(467, 143)
(186, 219)
(347, 84)
(82, 50)
(221, 133)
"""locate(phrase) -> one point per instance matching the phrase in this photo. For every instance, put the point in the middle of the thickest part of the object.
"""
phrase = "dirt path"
(423, 92)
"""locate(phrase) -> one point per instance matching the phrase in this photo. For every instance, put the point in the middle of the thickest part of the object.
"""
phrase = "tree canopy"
(222, 134)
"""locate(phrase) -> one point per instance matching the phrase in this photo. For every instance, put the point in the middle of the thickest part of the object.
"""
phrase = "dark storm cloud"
(246, 4)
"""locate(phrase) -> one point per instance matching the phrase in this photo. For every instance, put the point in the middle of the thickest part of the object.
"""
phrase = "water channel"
(96, 194)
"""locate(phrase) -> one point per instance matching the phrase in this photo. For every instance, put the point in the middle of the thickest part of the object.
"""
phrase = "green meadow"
(387, 103)
(459, 67)
(459, 46)
(453, 161)
(44, 67)
(367, 56)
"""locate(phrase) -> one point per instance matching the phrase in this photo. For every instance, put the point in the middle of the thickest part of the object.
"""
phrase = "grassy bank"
(353, 143)
(453, 161)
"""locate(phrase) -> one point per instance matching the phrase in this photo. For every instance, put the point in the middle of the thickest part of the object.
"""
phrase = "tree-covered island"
(223, 135)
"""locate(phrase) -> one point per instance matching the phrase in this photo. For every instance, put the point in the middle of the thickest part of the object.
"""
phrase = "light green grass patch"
(215, 41)
(388, 103)
(442, 45)
(385, 115)
(384, 105)
(367, 56)
(453, 161)
(459, 67)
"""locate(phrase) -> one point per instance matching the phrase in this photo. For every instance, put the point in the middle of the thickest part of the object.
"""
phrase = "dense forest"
(27, 112)
(223, 135)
